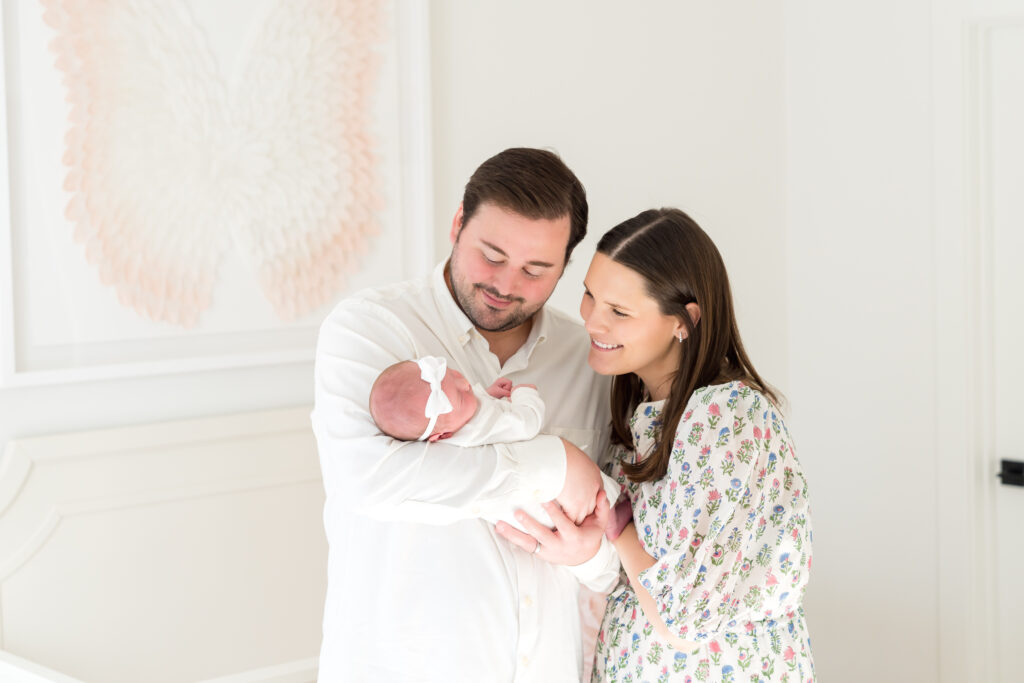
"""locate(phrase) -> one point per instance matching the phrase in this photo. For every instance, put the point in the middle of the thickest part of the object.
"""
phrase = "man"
(420, 588)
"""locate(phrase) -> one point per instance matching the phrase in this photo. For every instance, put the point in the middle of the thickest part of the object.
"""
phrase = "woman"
(718, 550)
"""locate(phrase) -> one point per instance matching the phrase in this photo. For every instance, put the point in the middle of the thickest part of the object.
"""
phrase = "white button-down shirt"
(420, 588)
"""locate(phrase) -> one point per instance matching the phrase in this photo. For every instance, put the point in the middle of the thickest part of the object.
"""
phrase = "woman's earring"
(679, 336)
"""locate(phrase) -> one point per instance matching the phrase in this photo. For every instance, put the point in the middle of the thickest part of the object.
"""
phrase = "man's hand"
(502, 388)
(582, 482)
(567, 543)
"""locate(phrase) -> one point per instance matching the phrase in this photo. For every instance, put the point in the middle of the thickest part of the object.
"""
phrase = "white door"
(978, 89)
(1005, 192)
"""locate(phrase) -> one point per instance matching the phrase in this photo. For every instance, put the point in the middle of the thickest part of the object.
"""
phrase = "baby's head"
(398, 400)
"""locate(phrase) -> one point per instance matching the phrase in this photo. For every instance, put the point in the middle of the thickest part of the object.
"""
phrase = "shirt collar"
(462, 326)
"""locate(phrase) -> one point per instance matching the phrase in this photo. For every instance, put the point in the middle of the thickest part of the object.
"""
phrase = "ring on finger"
(536, 548)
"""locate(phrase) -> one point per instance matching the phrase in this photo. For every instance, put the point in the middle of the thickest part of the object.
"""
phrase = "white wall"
(651, 104)
(861, 332)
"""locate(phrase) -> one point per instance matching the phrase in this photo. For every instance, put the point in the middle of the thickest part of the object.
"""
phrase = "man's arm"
(416, 481)
(582, 549)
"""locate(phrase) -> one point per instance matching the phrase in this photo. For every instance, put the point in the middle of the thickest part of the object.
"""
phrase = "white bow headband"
(432, 371)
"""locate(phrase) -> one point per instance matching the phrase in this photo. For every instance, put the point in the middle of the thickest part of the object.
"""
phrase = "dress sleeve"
(413, 481)
(698, 529)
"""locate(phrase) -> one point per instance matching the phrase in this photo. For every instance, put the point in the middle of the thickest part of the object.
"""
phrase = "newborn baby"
(424, 400)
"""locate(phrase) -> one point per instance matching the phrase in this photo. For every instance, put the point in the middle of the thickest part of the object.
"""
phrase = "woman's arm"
(634, 560)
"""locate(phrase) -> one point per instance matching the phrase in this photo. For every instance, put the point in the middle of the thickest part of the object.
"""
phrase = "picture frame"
(59, 324)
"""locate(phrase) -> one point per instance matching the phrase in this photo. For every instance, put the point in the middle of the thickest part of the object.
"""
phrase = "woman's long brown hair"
(680, 265)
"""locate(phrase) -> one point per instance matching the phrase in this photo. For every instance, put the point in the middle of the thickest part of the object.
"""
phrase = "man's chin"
(489, 322)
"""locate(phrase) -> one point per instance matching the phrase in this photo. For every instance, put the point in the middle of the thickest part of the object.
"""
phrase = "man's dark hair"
(533, 183)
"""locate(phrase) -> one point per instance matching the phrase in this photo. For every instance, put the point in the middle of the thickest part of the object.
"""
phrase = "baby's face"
(464, 403)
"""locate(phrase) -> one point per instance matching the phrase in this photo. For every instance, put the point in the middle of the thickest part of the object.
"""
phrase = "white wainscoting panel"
(177, 551)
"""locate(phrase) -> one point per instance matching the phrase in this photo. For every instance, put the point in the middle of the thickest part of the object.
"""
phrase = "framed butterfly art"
(192, 184)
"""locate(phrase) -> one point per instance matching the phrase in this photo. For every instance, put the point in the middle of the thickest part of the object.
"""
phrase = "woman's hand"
(567, 544)
(621, 515)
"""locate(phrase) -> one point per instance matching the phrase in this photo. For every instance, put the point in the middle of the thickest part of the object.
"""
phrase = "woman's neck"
(657, 390)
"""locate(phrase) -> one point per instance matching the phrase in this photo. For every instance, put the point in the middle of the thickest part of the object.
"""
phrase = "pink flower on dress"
(767, 433)
(788, 654)
(713, 410)
(683, 533)
(715, 647)
(757, 432)
(771, 580)
(795, 534)
(713, 496)
(750, 627)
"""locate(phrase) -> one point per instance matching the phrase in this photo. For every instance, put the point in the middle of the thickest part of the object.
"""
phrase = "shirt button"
(476, 510)
(527, 601)
(525, 660)
(536, 494)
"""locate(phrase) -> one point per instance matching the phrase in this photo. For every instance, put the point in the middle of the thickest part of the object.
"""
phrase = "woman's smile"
(600, 346)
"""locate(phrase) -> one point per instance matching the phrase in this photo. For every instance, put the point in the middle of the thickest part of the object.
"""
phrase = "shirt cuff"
(540, 463)
(601, 571)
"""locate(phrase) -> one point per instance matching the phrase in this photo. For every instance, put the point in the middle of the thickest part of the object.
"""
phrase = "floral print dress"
(730, 527)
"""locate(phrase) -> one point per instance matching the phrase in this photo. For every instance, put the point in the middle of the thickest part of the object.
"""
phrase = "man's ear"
(456, 224)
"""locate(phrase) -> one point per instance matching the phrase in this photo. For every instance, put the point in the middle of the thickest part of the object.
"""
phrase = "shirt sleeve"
(699, 529)
(601, 572)
(413, 481)
(498, 421)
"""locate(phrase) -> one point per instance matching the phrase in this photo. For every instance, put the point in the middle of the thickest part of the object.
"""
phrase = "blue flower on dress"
(686, 467)
(771, 457)
(736, 483)
(726, 670)
(778, 509)
(680, 657)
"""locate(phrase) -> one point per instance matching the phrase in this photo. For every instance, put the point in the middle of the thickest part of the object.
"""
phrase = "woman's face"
(628, 332)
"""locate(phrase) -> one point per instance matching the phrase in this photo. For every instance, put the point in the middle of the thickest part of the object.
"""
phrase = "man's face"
(504, 266)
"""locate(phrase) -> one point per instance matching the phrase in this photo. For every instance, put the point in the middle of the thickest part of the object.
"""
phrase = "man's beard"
(476, 311)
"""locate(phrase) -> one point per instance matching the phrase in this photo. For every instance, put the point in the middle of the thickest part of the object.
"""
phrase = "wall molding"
(47, 480)
(963, 286)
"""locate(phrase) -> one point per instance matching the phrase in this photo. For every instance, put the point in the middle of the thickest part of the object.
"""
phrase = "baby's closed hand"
(502, 388)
